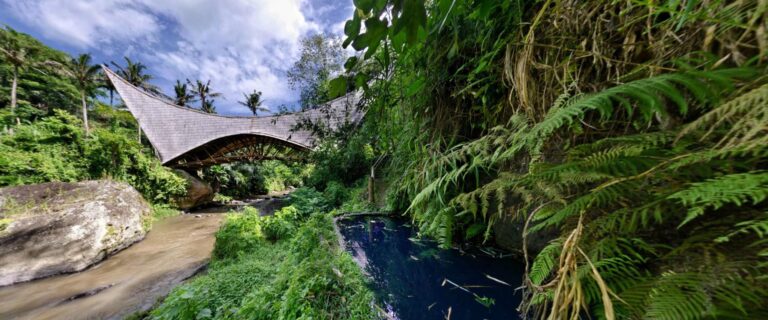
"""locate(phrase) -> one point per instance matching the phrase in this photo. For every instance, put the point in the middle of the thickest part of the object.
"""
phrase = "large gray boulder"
(56, 227)
(198, 192)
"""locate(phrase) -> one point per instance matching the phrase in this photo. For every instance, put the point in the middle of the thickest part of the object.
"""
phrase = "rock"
(66, 227)
(508, 234)
(198, 191)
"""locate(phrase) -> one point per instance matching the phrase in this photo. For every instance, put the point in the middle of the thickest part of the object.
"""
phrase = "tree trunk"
(85, 114)
(13, 87)
(111, 97)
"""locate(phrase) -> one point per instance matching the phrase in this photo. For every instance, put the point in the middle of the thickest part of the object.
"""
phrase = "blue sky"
(240, 45)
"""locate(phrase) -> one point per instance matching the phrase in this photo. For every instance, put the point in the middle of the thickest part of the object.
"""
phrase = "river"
(129, 281)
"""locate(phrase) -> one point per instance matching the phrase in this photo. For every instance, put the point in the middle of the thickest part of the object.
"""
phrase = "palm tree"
(107, 84)
(203, 92)
(253, 102)
(16, 55)
(183, 96)
(135, 74)
(208, 107)
(86, 77)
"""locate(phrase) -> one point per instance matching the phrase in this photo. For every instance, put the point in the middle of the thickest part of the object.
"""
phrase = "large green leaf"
(352, 27)
(365, 5)
(337, 87)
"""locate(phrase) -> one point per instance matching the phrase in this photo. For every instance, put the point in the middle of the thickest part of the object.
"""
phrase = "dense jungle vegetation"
(286, 266)
(42, 138)
(635, 131)
(631, 136)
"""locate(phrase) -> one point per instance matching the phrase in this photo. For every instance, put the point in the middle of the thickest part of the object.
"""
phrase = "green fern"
(739, 189)
(706, 87)
(544, 262)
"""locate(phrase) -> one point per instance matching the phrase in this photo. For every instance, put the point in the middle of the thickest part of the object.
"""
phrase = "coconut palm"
(134, 73)
(86, 77)
(208, 107)
(253, 102)
(107, 84)
(13, 52)
(183, 96)
(203, 93)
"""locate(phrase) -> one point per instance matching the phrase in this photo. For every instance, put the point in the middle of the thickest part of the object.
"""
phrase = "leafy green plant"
(302, 276)
(646, 155)
(239, 234)
(308, 201)
(281, 225)
(55, 148)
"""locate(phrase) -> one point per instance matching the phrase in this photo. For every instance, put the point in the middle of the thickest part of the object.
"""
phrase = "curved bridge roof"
(178, 132)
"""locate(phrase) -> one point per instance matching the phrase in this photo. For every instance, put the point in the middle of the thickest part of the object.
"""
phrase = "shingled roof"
(175, 131)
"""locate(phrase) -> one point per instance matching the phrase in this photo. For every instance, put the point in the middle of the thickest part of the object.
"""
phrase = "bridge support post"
(371, 187)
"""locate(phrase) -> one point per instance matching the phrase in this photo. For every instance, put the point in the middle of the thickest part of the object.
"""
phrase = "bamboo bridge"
(188, 138)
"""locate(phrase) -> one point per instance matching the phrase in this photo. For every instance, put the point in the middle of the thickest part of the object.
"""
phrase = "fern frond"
(757, 226)
(649, 94)
(746, 115)
(544, 262)
(739, 188)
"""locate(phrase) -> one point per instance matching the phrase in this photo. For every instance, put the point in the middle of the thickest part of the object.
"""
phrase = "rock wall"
(508, 234)
(56, 227)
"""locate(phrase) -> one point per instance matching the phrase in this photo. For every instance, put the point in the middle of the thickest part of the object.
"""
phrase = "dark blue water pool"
(414, 279)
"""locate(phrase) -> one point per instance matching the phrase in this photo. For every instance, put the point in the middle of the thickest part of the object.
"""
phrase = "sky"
(240, 45)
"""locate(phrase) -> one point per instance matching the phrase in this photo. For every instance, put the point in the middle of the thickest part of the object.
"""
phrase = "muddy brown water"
(130, 281)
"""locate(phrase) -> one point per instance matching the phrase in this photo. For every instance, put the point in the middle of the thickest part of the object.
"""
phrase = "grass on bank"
(287, 266)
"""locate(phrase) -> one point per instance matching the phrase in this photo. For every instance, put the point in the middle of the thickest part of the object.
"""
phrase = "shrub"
(316, 281)
(55, 148)
(308, 200)
(219, 293)
(274, 228)
(303, 277)
(335, 193)
(240, 233)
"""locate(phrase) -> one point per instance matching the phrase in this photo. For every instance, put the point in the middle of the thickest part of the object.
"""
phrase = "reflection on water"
(414, 279)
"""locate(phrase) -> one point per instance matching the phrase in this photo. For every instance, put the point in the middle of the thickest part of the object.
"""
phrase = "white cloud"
(86, 23)
(240, 45)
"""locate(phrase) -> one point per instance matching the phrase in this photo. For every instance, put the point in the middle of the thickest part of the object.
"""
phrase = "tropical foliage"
(253, 102)
(203, 93)
(41, 140)
(245, 180)
(633, 130)
(287, 266)
(56, 148)
(24, 78)
(321, 58)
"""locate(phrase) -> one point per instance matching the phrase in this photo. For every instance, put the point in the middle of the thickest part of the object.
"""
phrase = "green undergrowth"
(286, 266)
(55, 147)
